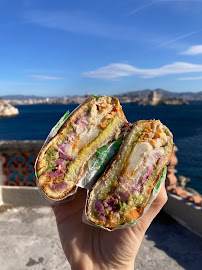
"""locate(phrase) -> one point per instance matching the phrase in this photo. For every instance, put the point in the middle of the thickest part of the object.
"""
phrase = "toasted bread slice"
(123, 191)
(61, 162)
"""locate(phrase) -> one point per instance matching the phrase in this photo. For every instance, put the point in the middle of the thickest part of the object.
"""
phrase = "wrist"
(129, 266)
(102, 266)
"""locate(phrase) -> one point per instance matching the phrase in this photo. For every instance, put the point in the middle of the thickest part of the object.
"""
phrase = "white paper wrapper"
(94, 168)
(153, 196)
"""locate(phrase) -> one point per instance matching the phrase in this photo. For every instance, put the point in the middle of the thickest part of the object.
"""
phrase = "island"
(152, 99)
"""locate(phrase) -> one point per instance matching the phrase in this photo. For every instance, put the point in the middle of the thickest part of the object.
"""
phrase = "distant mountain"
(165, 94)
(131, 94)
(22, 97)
(26, 97)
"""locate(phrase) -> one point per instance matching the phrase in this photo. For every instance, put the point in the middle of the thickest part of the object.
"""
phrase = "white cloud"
(193, 50)
(142, 7)
(182, 4)
(112, 71)
(179, 38)
(46, 78)
(190, 78)
(83, 23)
(119, 70)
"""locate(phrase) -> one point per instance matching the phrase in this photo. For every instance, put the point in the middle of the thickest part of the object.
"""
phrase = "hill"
(165, 94)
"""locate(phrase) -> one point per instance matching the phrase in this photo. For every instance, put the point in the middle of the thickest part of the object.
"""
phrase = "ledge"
(21, 196)
(16, 146)
(20, 146)
(184, 212)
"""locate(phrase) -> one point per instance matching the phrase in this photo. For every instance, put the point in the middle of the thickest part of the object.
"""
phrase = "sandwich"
(123, 191)
(62, 160)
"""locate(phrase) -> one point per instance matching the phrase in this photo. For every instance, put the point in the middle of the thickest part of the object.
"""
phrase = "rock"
(155, 98)
(183, 180)
(6, 109)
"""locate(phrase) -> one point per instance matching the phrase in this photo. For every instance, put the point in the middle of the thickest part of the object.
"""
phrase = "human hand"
(88, 247)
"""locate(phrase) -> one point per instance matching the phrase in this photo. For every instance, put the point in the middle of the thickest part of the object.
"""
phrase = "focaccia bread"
(61, 162)
(122, 193)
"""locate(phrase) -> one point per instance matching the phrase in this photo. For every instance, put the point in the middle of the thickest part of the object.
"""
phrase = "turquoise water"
(35, 121)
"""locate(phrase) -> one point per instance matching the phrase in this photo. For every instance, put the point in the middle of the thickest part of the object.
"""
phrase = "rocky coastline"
(153, 98)
(6, 109)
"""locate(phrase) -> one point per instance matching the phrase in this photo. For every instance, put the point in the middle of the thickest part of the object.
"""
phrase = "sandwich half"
(122, 193)
(61, 162)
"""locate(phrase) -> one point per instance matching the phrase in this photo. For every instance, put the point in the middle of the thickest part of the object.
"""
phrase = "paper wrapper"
(153, 196)
(94, 168)
(98, 163)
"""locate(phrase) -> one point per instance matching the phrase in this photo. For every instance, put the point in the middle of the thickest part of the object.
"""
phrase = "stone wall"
(17, 160)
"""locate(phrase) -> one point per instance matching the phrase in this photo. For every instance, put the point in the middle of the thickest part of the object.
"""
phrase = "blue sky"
(58, 48)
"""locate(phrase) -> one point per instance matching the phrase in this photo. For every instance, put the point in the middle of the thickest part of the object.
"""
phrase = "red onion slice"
(81, 121)
(58, 186)
(65, 147)
(71, 137)
(60, 165)
(99, 208)
(63, 155)
(55, 174)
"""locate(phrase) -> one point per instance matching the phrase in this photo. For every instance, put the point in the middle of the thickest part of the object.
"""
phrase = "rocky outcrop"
(153, 99)
(6, 109)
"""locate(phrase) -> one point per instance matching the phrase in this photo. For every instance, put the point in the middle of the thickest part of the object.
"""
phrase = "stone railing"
(17, 160)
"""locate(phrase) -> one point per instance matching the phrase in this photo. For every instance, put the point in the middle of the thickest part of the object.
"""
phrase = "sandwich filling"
(130, 185)
(84, 129)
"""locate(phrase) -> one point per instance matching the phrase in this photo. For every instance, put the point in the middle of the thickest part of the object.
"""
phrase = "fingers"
(70, 207)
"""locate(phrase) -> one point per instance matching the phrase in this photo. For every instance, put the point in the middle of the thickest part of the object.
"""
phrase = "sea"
(185, 122)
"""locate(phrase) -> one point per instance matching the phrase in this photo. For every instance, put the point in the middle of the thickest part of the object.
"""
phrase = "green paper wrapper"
(153, 196)
(97, 164)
